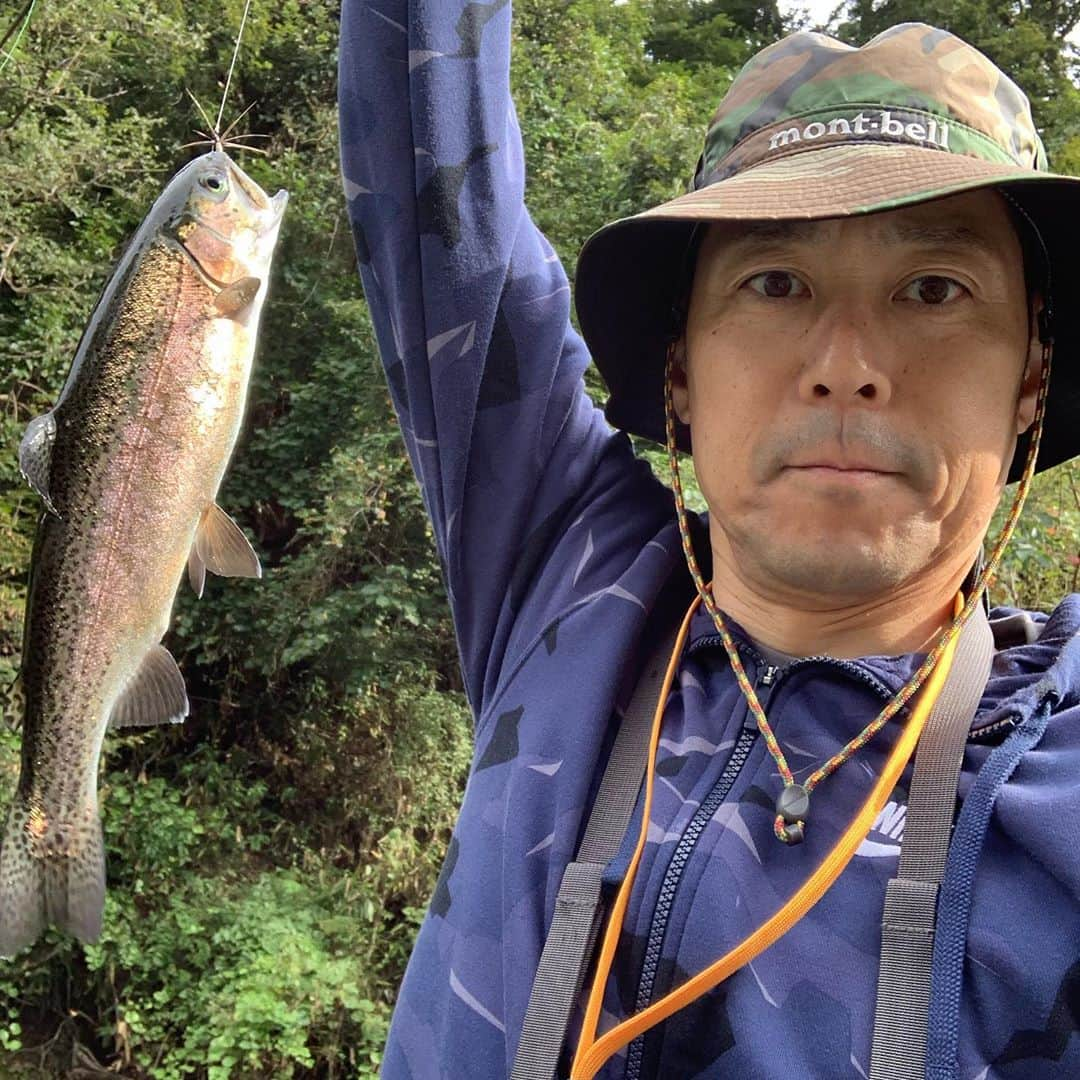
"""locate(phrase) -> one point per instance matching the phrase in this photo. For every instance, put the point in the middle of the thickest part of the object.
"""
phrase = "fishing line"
(215, 137)
(18, 37)
(228, 78)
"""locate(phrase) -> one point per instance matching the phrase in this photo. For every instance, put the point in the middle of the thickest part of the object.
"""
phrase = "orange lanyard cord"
(611, 935)
(593, 1053)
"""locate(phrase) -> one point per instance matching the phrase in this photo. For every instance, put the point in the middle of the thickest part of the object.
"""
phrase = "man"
(850, 315)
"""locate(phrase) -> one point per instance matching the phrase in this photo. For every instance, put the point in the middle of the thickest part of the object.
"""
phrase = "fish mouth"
(277, 205)
(255, 194)
(258, 198)
(226, 227)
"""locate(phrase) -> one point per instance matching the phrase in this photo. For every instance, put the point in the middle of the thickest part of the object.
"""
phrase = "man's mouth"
(848, 471)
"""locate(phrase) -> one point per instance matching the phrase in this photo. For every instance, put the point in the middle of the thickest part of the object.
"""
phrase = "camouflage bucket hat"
(814, 128)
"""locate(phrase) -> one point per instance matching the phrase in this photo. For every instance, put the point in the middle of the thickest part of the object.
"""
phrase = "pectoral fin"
(35, 455)
(155, 694)
(222, 548)
(232, 300)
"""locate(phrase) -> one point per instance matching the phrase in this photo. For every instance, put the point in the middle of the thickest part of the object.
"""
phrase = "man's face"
(854, 389)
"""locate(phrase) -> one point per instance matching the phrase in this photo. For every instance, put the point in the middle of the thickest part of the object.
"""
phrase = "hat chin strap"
(982, 580)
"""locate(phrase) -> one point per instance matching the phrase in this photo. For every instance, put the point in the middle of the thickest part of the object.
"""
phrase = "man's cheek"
(723, 476)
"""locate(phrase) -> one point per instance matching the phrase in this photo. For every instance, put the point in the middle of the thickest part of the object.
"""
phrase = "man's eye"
(776, 284)
(933, 289)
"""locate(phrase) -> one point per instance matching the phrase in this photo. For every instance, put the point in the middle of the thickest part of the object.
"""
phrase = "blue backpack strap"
(955, 901)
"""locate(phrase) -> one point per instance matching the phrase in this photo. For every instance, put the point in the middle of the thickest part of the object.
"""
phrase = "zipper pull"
(766, 680)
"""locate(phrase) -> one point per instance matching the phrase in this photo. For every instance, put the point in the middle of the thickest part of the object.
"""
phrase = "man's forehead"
(981, 225)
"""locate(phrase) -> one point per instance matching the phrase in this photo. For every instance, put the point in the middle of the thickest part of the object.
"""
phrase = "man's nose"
(847, 362)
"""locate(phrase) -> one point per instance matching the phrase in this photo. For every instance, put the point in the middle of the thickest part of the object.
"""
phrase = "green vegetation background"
(270, 860)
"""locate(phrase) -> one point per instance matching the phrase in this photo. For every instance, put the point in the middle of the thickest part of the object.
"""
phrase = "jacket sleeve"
(469, 301)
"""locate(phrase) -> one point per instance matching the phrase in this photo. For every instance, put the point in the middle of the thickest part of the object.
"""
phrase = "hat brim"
(628, 271)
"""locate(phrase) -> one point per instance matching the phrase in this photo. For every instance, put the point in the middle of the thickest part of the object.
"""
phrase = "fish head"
(224, 220)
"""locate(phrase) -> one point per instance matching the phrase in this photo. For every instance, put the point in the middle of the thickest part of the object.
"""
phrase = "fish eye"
(213, 182)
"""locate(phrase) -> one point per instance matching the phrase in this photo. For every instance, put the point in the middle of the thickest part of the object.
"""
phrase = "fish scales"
(137, 446)
(120, 476)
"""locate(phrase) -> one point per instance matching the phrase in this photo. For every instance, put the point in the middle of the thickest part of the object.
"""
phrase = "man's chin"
(833, 569)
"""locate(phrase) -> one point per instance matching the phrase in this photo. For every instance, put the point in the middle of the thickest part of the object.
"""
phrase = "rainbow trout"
(128, 463)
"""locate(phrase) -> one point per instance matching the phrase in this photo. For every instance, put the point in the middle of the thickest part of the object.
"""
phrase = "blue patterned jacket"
(556, 544)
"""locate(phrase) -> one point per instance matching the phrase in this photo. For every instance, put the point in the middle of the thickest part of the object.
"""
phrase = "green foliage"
(613, 108)
(261, 976)
(718, 33)
(1042, 562)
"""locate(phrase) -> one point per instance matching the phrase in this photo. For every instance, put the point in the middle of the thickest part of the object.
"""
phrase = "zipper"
(986, 733)
(989, 732)
(767, 680)
(849, 667)
(681, 855)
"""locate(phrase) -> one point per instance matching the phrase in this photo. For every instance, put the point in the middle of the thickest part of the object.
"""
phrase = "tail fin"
(65, 888)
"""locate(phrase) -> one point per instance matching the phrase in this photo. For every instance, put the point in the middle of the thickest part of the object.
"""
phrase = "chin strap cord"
(593, 1052)
(793, 803)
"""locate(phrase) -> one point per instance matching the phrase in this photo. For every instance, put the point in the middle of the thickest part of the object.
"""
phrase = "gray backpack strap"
(910, 918)
(578, 913)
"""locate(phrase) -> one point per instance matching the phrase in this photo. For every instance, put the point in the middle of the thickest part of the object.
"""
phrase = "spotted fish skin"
(129, 462)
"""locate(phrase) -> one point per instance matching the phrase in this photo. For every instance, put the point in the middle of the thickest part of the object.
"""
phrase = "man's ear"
(680, 390)
(1029, 384)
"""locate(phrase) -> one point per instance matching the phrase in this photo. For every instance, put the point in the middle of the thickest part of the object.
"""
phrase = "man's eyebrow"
(944, 236)
(770, 234)
(774, 233)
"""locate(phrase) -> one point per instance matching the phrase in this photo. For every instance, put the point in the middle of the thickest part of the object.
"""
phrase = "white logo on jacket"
(883, 840)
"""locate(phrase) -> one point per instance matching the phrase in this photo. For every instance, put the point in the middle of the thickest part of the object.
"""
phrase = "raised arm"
(470, 303)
